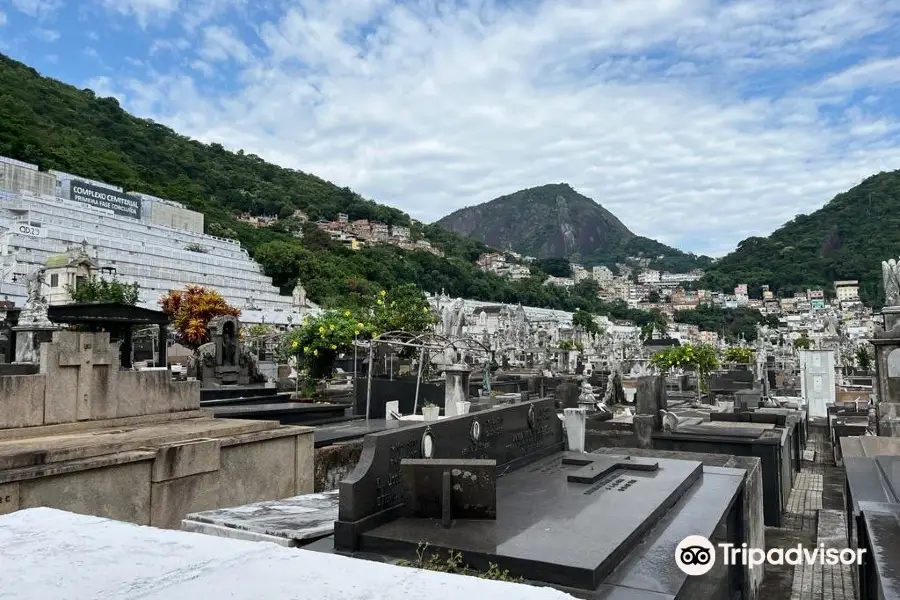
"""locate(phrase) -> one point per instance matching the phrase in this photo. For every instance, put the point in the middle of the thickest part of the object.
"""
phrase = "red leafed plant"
(191, 309)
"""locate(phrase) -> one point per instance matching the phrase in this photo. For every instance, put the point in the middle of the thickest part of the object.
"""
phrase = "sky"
(697, 122)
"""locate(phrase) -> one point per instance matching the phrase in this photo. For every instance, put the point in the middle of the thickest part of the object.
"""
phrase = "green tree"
(863, 359)
(316, 344)
(700, 358)
(98, 290)
(803, 342)
(584, 319)
(738, 354)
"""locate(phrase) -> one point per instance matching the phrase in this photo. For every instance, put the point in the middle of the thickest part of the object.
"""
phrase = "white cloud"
(46, 35)
(640, 105)
(221, 43)
(2, 18)
(165, 45)
(38, 8)
(191, 13)
(144, 11)
(881, 72)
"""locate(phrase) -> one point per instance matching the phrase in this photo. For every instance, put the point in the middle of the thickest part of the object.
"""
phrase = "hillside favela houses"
(154, 242)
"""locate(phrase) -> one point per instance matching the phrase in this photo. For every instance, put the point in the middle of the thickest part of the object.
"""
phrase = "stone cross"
(594, 467)
(83, 364)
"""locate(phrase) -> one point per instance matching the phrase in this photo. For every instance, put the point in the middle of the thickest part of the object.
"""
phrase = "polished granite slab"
(290, 522)
(548, 521)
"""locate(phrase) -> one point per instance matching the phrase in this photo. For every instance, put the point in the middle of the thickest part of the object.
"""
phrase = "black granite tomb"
(402, 389)
(597, 526)
(728, 382)
(794, 420)
(880, 537)
(869, 479)
(774, 447)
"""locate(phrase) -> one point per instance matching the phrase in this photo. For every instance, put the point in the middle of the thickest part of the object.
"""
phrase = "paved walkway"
(814, 516)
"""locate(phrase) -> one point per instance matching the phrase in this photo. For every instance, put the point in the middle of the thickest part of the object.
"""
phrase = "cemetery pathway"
(814, 516)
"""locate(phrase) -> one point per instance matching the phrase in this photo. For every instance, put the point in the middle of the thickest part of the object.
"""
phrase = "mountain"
(57, 126)
(555, 221)
(846, 239)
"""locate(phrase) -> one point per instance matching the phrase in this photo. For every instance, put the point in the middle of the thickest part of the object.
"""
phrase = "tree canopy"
(100, 290)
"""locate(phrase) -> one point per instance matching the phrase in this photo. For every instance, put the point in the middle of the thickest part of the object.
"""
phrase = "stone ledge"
(44, 450)
(72, 466)
(64, 428)
(268, 434)
(180, 460)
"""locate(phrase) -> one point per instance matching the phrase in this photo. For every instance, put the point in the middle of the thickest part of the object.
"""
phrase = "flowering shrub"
(316, 344)
(736, 354)
(191, 309)
(403, 308)
(701, 358)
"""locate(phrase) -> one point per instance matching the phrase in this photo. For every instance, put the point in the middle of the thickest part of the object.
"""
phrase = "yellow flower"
(383, 293)
(315, 352)
(380, 302)
(359, 325)
(424, 309)
(356, 332)
(347, 313)
(294, 344)
(374, 334)
(305, 349)
(331, 327)
(333, 347)
(321, 330)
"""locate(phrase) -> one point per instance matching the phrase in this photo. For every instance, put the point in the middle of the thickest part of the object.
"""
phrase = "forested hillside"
(846, 239)
(57, 126)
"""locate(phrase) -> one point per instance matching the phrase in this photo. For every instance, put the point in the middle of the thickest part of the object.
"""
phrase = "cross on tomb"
(594, 467)
(85, 358)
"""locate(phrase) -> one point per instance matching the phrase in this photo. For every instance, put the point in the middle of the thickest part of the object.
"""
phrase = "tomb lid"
(882, 534)
(550, 512)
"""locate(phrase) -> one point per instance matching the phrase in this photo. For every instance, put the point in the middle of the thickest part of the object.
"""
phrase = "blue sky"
(697, 122)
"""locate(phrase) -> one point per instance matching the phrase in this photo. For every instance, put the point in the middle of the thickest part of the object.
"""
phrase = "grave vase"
(431, 413)
(456, 388)
(462, 408)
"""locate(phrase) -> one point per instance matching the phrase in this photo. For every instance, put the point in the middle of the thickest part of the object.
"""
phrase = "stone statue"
(229, 347)
(299, 296)
(34, 284)
(669, 420)
(890, 272)
(831, 326)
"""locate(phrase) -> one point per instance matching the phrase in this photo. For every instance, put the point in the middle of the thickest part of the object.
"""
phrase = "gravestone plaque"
(511, 435)
(472, 488)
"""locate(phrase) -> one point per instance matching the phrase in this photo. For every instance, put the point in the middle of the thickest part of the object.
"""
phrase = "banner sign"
(119, 203)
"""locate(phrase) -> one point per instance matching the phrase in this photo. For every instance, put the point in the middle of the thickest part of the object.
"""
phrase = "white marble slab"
(300, 518)
(47, 554)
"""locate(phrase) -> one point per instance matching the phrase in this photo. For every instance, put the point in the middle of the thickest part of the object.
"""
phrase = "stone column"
(887, 373)
(162, 359)
(649, 400)
(456, 387)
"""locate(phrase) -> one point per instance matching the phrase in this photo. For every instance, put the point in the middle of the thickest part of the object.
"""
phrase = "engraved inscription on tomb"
(490, 430)
(620, 484)
(387, 489)
(532, 439)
